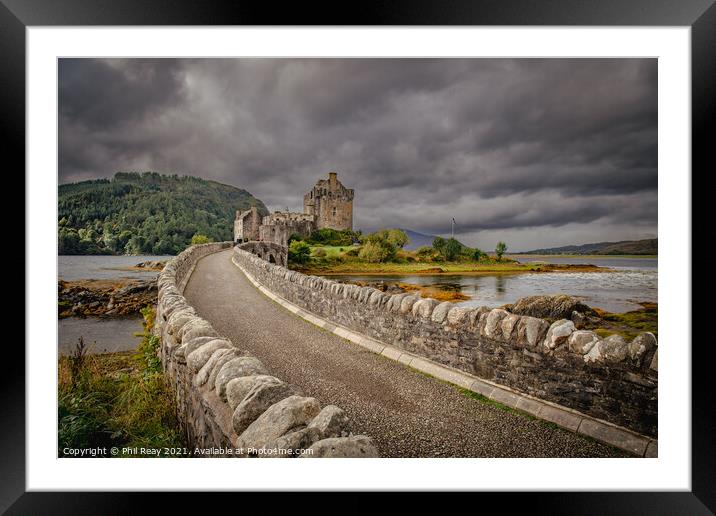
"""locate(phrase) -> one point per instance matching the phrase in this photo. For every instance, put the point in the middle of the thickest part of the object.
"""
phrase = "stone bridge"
(272, 253)
(411, 374)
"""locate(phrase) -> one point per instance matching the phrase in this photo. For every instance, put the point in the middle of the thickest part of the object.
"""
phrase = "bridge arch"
(269, 251)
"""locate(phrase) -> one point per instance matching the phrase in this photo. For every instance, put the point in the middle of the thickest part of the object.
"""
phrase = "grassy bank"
(116, 399)
(628, 324)
(355, 267)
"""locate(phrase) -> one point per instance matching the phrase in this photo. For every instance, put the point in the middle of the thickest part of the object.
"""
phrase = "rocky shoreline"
(104, 297)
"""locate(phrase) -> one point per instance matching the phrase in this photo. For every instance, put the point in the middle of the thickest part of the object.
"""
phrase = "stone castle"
(328, 204)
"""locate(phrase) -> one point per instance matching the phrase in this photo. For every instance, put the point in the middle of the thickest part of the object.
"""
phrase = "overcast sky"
(535, 152)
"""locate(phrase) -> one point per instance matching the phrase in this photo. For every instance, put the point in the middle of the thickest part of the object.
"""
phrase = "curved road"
(405, 412)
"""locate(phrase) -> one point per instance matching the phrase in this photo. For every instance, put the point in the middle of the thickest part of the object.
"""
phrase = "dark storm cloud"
(564, 147)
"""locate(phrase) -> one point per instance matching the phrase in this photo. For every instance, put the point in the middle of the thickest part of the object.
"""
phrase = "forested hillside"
(147, 213)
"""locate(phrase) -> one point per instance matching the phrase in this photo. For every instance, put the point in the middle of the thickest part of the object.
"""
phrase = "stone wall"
(609, 379)
(227, 401)
(269, 251)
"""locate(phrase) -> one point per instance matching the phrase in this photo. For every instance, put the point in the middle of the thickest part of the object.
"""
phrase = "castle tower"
(331, 203)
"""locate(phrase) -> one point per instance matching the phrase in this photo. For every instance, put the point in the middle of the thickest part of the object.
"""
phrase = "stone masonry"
(331, 203)
(609, 379)
(228, 402)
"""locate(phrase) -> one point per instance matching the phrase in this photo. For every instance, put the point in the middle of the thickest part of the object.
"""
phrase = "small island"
(328, 252)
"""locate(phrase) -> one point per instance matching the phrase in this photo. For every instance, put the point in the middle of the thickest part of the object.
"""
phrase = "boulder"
(531, 331)
(406, 304)
(440, 312)
(332, 421)
(457, 315)
(654, 366)
(238, 388)
(334, 447)
(640, 346)
(241, 366)
(558, 333)
(612, 349)
(203, 375)
(192, 345)
(493, 324)
(424, 308)
(198, 330)
(266, 391)
(291, 444)
(211, 380)
(277, 420)
(551, 307)
(200, 356)
(582, 341)
(508, 325)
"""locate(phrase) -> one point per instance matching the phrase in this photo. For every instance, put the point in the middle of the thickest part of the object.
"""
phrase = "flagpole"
(452, 228)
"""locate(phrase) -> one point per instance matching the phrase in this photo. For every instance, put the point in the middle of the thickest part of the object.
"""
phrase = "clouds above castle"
(536, 152)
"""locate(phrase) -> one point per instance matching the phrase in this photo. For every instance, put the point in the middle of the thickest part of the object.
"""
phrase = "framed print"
(432, 239)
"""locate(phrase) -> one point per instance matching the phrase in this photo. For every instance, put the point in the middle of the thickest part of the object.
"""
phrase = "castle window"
(311, 194)
(334, 211)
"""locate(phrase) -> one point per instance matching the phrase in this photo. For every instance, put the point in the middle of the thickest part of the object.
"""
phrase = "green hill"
(642, 247)
(146, 213)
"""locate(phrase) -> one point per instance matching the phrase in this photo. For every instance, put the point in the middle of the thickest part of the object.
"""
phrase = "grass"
(629, 324)
(117, 399)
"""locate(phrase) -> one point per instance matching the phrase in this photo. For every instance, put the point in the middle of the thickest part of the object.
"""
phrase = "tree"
(377, 250)
(500, 249)
(200, 239)
(477, 254)
(299, 252)
(452, 249)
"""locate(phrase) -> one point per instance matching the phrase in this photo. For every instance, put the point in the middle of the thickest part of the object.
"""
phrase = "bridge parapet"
(608, 379)
(226, 399)
(268, 251)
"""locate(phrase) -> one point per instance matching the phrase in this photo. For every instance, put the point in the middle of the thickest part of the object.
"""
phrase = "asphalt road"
(405, 412)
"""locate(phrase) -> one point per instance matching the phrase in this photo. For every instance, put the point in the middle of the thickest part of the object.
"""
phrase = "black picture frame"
(700, 15)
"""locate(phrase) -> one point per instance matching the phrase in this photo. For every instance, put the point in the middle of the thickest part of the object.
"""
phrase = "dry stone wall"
(228, 402)
(610, 378)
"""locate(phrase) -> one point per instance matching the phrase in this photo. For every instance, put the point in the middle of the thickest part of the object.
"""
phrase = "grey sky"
(536, 152)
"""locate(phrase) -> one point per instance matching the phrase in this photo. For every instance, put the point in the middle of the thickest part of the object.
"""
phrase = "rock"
(424, 308)
(579, 320)
(581, 341)
(558, 333)
(640, 346)
(477, 313)
(393, 304)
(200, 356)
(457, 315)
(615, 348)
(508, 325)
(266, 391)
(493, 324)
(440, 312)
(332, 421)
(655, 362)
(203, 375)
(353, 446)
(238, 388)
(531, 331)
(612, 349)
(277, 420)
(192, 345)
(406, 304)
(199, 330)
(241, 366)
(211, 380)
(291, 444)
(551, 307)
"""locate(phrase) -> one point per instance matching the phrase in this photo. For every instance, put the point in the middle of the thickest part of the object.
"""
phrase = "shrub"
(299, 252)
(500, 249)
(377, 251)
(200, 239)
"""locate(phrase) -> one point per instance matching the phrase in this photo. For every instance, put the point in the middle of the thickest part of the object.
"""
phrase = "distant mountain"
(649, 246)
(147, 213)
(417, 240)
